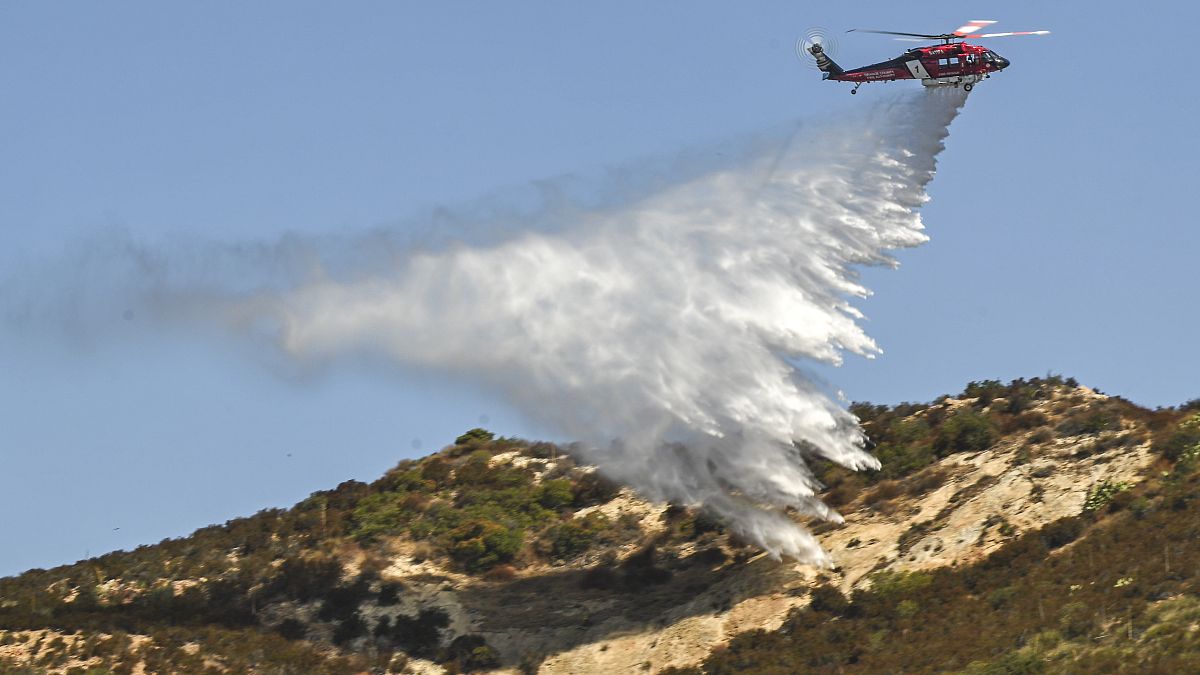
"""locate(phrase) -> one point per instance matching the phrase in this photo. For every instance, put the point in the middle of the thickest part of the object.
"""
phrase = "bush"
(305, 579)
(474, 471)
(966, 431)
(555, 494)
(1089, 423)
(1184, 443)
(1002, 596)
(471, 653)
(829, 599)
(594, 488)
(985, 391)
(436, 471)
(1076, 619)
(1100, 495)
(480, 544)
(476, 436)
(889, 584)
(576, 535)
(898, 460)
(379, 514)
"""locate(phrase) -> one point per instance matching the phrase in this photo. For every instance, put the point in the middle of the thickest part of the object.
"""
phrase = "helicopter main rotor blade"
(1023, 32)
(961, 33)
(972, 26)
(892, 32)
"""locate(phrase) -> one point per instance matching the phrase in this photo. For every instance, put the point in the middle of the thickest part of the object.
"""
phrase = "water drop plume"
(663, 330)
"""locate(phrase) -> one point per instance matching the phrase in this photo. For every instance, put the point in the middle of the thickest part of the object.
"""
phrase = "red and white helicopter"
(952, 63)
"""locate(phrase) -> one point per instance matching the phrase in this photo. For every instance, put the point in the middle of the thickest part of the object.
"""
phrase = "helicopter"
(951, 63)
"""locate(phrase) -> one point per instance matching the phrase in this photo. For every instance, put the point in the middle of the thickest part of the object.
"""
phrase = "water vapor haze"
(662, 328)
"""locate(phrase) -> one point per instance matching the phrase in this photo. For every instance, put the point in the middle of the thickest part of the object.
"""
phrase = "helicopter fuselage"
(951, 64)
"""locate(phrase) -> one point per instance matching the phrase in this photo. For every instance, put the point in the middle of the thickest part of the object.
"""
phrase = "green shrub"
(897, 461)
(965, 431)
(555, 494)
(480, 544)
(577, 535)
(1002, 596)
(1099, 496)
(985, 391)
(888, 584)
(827, 598)
(436, 471)
(1184, 444)
(476, 436)
(1076, 619)
(380, 514)
(1089, 423)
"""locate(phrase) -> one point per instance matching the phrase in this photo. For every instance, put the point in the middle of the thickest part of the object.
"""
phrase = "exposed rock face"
(986, 499)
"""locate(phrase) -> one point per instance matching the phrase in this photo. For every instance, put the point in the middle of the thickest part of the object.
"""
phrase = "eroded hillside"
(498, 554)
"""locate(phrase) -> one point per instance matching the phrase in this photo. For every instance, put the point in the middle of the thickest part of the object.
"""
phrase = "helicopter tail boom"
(824, 63)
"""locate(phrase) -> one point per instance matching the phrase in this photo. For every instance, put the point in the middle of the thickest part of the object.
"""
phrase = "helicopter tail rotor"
(818, 44)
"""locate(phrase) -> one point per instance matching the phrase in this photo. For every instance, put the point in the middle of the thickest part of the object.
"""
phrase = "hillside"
(1035, 526)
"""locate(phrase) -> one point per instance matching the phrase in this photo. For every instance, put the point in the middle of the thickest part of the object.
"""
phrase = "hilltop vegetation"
(461, 507)
(396, 573)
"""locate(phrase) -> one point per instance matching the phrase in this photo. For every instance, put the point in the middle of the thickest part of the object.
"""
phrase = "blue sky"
(1063, 233)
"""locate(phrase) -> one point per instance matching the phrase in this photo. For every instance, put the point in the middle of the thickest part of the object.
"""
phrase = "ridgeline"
(1028, 527)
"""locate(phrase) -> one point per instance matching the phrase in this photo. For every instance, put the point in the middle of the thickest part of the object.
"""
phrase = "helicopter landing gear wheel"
(855, 89)
(968, 86)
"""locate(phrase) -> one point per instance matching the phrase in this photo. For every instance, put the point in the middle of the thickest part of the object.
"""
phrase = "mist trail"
(661, 332)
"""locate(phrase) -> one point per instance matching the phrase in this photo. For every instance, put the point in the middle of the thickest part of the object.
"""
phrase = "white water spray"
(660, 332)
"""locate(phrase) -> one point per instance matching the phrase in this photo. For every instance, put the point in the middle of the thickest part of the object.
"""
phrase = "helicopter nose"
(1001, 62)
